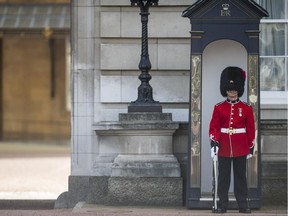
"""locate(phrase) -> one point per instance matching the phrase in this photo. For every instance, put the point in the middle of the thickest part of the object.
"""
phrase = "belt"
(233, 130)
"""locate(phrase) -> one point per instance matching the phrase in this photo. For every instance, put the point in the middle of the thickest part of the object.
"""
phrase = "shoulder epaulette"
(245, 103)
(219, 103)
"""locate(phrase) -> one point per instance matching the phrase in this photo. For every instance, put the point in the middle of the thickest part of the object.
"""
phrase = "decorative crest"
(225, 6)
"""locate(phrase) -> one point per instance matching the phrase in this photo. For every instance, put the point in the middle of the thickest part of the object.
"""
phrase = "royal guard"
(232, 136)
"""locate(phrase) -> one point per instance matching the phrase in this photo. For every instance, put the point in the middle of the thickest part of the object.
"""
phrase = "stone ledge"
(138, 121)
(271, 126)
(118, 126)
(145, 117)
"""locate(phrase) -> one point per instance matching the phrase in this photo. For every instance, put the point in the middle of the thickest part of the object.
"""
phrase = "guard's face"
(232, 93)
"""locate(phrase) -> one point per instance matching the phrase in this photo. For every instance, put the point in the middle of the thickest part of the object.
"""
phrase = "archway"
(216, 56)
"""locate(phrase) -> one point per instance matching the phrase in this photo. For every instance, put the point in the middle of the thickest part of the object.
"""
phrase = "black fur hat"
(232, 78)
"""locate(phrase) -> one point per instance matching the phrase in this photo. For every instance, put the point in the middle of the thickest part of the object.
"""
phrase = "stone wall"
(106, 52)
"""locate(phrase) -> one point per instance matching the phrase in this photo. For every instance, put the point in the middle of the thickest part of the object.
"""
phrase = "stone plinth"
(141, 144)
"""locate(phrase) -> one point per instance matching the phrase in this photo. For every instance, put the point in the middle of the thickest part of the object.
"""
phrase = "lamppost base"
(144, 108)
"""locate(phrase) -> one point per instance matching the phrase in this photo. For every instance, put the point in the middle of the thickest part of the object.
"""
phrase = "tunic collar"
(232, 102)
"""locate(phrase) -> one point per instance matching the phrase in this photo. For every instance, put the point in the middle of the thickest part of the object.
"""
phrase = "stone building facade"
(106, 48)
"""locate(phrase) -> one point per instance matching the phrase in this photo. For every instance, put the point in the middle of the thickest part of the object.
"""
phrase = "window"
(274, 52)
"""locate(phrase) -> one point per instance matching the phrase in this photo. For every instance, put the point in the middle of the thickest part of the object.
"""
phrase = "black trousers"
(240, 180)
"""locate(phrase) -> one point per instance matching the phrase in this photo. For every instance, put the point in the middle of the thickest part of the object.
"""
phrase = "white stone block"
(82, 109)
(79, 128)
(163, 56)
(124, 56)
(81, 144)
(169, 25)
(77, 87)
(83, 52)
(110, 24)
(111, 88)
(131, 25)
(82, 3)
(163, 91)
(85, 22)
(111, 113)
(80, 164)
(82, 88)
(161, 24)
(129, 88)
(114, 2)
(174, 56)
(178, 2)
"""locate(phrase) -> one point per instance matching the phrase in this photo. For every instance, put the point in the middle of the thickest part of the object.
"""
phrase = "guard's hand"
(251, 153)
(214, 151)
(252, 150)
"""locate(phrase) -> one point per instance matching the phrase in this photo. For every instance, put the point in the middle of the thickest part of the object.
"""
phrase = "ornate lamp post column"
(145, 101)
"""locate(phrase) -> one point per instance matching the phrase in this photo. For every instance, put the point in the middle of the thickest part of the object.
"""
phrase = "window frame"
(277, 97)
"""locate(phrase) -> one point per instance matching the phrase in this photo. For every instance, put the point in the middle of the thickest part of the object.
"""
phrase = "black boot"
(221, 210)
(245, 210)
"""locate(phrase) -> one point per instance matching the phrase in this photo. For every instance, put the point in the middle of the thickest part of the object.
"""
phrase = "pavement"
(33, 171)
(83, 209)
(33, 176)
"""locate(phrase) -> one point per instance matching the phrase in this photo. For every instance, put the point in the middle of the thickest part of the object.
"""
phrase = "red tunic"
(234, 115)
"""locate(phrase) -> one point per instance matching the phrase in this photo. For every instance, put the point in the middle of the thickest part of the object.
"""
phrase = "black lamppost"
(145, 101)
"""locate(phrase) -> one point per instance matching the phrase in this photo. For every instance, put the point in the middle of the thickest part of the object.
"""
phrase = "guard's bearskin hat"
(232, 78)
